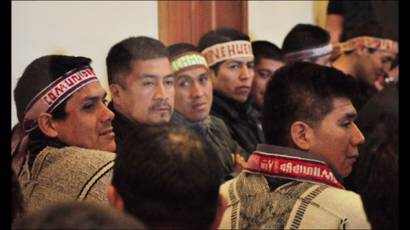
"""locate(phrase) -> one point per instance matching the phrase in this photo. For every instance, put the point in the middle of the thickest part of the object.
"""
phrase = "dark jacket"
(241, 120)
(122, 126)
(216, 133)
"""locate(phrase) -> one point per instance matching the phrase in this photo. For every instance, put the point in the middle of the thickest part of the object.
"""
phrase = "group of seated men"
(228, 133)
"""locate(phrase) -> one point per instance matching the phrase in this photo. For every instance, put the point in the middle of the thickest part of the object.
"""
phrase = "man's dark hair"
(168, 177)
(39, 74)
(305, 36)
(17, 201)
(267, 50)
(121, 55)
(179, 48)
(371, 28)
(220, 35)
(301, 91)
(78, 215)
(376, 174)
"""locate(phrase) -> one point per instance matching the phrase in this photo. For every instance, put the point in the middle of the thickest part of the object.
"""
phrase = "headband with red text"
(309, 53)
(187, 60)
(55, 93)
(368, 42)
(227, 50)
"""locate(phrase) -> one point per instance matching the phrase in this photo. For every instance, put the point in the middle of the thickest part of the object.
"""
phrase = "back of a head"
(268, 50)
(78, 215)
(179, 48)
(301, 91)
(39, 74)
(121, 55)
(376, 173)
(305, 36)
(169, 181)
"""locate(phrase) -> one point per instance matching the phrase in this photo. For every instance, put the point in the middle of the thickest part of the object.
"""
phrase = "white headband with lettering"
(227, 50)
(187, 60)
(309, 53)
(369, 42)
(55, 93)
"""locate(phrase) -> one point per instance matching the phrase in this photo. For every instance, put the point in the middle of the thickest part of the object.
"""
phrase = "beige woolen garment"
(69, 173)
(294, 205)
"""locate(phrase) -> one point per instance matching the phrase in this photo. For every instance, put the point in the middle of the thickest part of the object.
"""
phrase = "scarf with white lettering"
(287, 166)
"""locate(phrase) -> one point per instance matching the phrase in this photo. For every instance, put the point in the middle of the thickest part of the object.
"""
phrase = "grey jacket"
(216, 133)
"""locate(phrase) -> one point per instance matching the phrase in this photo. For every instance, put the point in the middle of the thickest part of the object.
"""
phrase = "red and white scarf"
(291, 167)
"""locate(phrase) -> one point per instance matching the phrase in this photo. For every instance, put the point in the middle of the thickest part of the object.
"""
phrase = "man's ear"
(114, 198)
(222, 205)
(46, 124)
(115, 91)
(302, 135)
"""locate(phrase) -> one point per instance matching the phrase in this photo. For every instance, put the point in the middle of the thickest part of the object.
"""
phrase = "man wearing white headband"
(193, 100)
(141, 84)
(229, 55)
(306, 42)
(367, 57)
(59, 146)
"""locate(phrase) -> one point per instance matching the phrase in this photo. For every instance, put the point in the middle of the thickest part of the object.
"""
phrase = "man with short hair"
(141, 84)
(268, 58)
(169, 182)
(229, 55)
(306, 42)
(367, 57)
(294, 181)
(193, 100)
(60, 146)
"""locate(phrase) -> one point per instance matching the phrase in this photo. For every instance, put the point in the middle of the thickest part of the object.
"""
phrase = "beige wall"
(90, 28)
(272, 20)
(75, 28)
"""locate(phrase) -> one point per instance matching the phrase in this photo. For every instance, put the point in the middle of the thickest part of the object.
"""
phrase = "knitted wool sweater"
(257, 201)
(68, 173)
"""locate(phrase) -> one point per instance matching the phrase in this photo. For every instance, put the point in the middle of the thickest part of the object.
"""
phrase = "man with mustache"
(63, 147)
(141, 84)
(229, 55)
